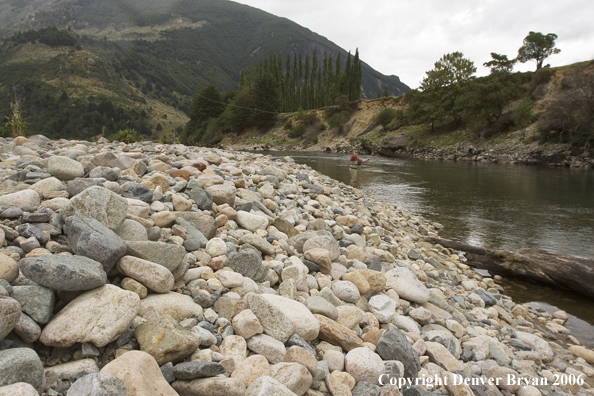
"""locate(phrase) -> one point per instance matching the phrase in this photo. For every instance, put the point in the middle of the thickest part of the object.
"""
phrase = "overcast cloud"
(405, 38)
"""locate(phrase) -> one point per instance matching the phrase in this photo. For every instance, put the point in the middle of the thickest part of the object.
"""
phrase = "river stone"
(223, 193)
(21, 365)
(112, 160)
(140, 373)
(364, 365)
(168, 255)
(404, 282)
(250, 369)
(9, 269)
(105, 172)
(36, 301)
(217, 386)
(165, 340)
(27, 329)
(257, 242)
(64, 273)
(204, 223)
(28, 230)
(337, 334)
(319, 305)
(202, 198)
(176, 305)
(440, 355)
(98, 384)
(138, 191)
(383, 307)
(64, 168)
(47, 185)
(21, 199)
(10, 313)
(90, 238)
(246, 324)
(197, 369)
(346, 291)
(152, 275)
(99, 316)
(281, 317)
(251, 221)
(323, 242)
(18, 389)
(536, 343)
(272, 349)
(131, 230)
(292, 375)
(100, 204)
(248, 262)
(393, 345)
(266, 386)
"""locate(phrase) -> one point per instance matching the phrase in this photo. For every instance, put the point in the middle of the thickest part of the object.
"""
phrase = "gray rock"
(197, 369)
(366, 389)
(21, 365)
(100, 204)
(346, 291)
(248, 262)
(98, 384)
(138, 191)
(90, 238)
(487, 297)
(131, 230)
(64, 168)
(202, 198)
(10, 313)
(167, 371)
(76, 186)
(257, 242)
(194, 233)
(112, 160)
(416, 390)
(105, 172)
(319, 305)
(36, 301)
(64, 273)
(168, 255)
(393, 345)
(296, 340)
(316, 189)
(154, 233)
(21, 199)
(29, 230)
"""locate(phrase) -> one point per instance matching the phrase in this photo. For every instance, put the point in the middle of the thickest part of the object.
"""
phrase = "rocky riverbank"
(149, 269)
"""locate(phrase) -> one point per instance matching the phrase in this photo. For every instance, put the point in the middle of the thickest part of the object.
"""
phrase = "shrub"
(385, 117)
(309, 119)
(338, 120)
(297, 131)
(288, 125)
(125, 135)
(522, 114)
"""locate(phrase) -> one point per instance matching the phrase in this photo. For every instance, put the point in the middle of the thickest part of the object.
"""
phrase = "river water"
(497, 206)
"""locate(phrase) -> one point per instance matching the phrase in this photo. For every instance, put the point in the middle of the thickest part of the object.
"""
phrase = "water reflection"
(492, 205)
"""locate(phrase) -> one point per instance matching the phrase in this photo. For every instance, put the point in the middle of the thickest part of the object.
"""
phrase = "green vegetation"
(538, 47)
(385, 117)
(126, 135)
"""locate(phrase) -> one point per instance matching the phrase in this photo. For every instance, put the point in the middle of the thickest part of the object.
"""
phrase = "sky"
(407, 37)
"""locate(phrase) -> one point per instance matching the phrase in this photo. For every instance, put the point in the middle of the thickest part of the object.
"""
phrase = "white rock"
(364, 365)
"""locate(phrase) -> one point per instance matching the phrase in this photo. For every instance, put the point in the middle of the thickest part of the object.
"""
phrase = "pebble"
(241, 274)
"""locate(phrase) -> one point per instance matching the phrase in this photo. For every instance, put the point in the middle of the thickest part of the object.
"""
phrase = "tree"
(538, 47)
(500, 63)
(206, 104)
(440, 89)
(450, 70)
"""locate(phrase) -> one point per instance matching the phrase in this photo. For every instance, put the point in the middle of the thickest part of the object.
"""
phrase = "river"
(498, 206)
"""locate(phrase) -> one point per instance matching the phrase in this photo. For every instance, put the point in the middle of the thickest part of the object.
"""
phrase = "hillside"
(559, 132)
(143, 56)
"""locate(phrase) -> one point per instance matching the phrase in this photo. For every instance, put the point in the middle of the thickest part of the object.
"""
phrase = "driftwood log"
(567, 272)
